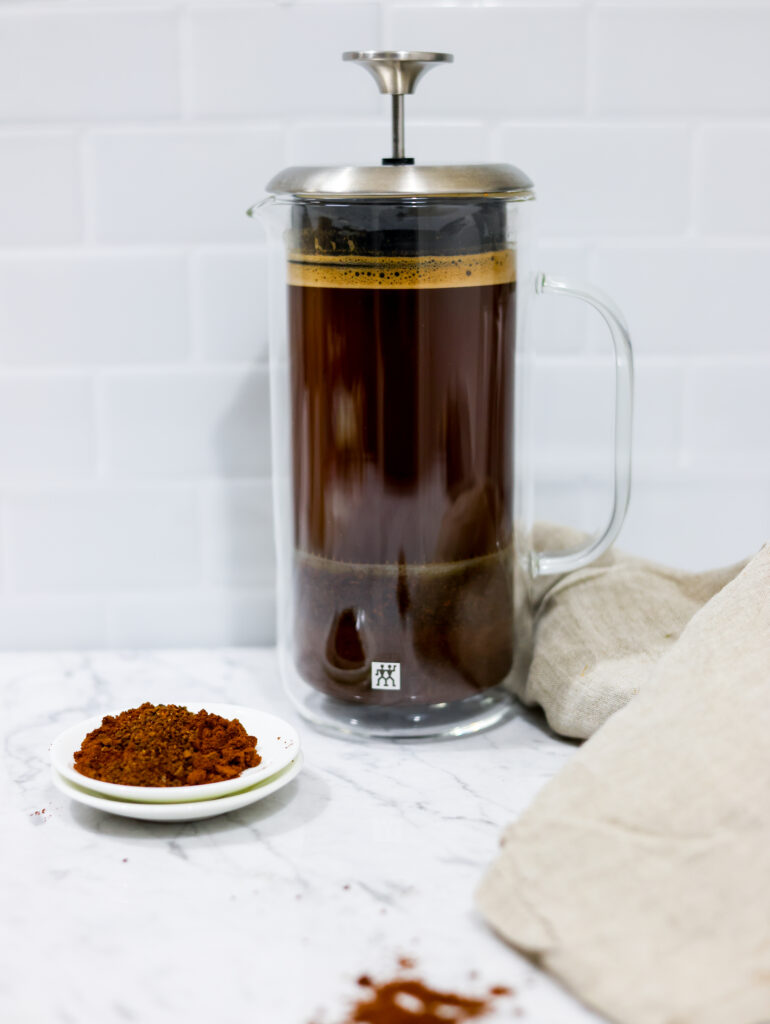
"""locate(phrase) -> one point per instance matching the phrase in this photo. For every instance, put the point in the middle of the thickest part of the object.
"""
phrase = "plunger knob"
(396, 73)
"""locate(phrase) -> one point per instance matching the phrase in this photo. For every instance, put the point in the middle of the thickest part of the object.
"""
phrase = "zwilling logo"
(386, 675)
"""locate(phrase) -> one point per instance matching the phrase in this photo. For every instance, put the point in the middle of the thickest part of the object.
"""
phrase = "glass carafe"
(400, 355)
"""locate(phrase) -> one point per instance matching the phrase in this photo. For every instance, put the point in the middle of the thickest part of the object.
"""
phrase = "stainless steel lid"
(397, 73)
(401, 181)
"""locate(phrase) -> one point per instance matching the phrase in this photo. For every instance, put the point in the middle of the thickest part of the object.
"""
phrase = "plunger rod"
(398, 127)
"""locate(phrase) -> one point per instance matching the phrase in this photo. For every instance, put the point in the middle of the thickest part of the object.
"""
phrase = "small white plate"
(192, 811)
(277, 745)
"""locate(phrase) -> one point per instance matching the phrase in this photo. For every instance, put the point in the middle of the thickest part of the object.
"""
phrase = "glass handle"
(548, 563)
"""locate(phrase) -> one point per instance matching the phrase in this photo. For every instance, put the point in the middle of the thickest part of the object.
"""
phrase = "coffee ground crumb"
(409, 1000)
(166, 745)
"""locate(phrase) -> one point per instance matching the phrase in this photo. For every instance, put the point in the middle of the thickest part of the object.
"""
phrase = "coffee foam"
(464, 271)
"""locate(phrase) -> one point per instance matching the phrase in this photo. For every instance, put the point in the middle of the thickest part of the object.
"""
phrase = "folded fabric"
(600, 631)
(640, 875)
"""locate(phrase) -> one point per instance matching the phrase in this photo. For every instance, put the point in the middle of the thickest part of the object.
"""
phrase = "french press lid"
(397, 73)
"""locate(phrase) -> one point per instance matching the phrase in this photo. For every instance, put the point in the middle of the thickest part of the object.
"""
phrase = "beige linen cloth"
(640, 875)
(600, 631)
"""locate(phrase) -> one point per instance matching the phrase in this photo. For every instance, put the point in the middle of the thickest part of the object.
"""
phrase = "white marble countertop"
(267, 914)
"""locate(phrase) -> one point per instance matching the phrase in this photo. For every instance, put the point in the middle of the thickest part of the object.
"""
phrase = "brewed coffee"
(402, 391)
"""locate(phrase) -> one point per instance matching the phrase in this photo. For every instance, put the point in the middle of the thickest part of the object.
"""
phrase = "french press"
(400, 354)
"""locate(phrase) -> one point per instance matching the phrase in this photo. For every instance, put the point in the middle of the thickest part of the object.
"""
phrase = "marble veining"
(268, 913)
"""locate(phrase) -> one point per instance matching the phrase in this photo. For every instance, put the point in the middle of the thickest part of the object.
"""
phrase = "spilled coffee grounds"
(166, 745)
(410, 1001)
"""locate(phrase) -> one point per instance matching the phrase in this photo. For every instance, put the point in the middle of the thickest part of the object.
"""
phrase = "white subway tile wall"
(598, 179)
(724, 69)
(52, 65)
(40, 185)
(135, 500)
(178, 184)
